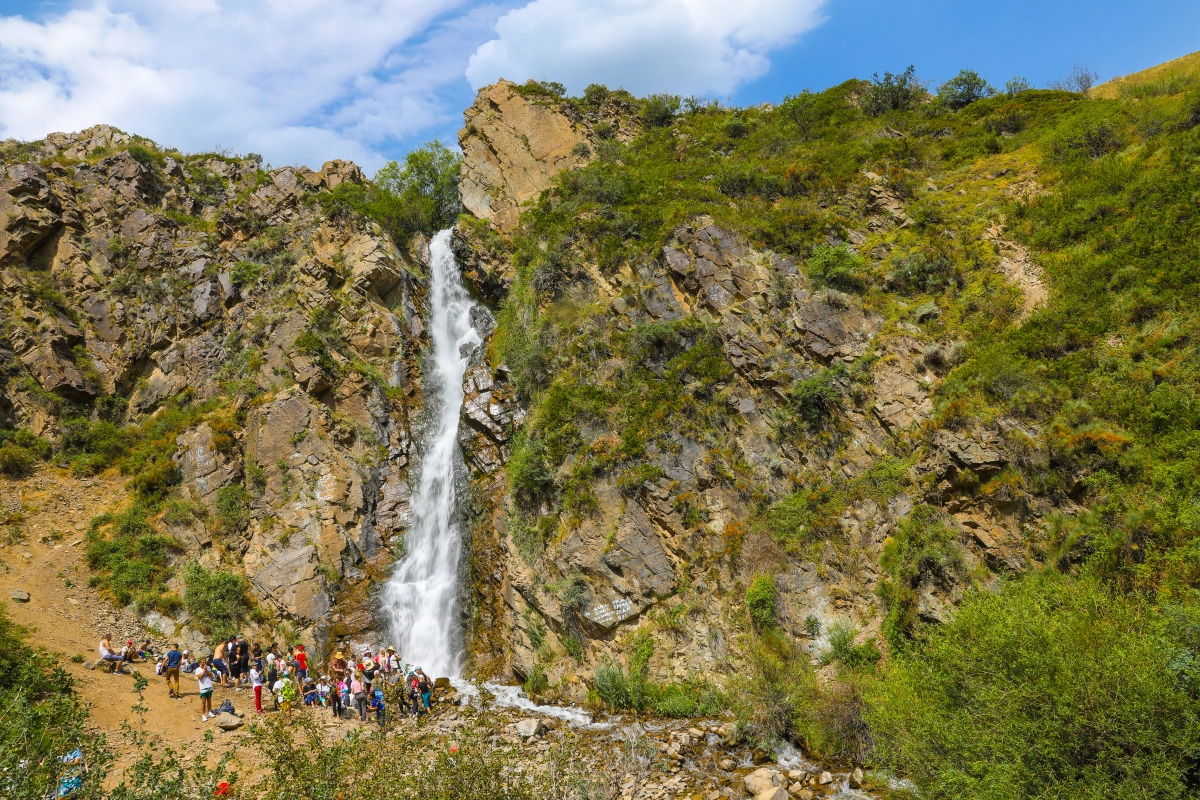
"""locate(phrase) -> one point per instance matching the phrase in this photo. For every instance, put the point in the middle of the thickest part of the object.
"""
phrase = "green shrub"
(760, 602)
(843, 650)
(1051, 688)
(537, 682)
(128, 557)
(837, 268)
(923, 547)
(894, 92)
(963, 89)
(16, 461)
(233, 507)
(245, 273)
(529, 478)
(43, 719)
(815, 398)
(217, 600)
(658, 110)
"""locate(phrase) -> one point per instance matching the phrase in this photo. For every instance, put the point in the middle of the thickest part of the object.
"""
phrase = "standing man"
(218, 662)
(204, 679)
(171, 670)
(244, 657)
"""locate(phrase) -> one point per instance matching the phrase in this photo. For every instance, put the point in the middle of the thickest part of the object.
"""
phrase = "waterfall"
(420, 600)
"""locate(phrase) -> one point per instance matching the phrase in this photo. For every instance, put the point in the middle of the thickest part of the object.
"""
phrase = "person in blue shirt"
(171, 671)
(377, 705)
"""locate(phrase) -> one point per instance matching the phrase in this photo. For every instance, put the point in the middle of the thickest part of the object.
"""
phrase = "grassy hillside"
(1096, 392)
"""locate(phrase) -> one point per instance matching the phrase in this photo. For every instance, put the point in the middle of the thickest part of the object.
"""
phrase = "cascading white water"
(420, 600)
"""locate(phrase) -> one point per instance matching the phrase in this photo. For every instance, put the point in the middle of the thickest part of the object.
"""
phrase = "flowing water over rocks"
(421, 600)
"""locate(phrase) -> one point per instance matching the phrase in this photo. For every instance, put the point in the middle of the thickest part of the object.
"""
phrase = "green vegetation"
(20, 451)
(760, 602)
(629, 687)
(128, 558)
(1050, 683)
(1092, 393)
(43, 719)
(418, 196)
(217, 600)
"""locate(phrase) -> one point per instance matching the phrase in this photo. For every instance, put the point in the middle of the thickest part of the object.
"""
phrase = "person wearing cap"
(425, 686)
(369, 668)
(171, 670)
(301, 663)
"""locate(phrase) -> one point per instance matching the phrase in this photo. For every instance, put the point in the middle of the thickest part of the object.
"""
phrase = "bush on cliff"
(1051, 688)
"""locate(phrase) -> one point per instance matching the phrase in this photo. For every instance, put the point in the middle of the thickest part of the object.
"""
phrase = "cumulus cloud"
(682, 46)
(297, 80)
(303, 81)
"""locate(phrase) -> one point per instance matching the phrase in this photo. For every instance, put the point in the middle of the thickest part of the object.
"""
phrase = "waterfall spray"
(420, 601)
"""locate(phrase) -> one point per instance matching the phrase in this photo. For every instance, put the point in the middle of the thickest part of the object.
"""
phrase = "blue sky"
(302, 81)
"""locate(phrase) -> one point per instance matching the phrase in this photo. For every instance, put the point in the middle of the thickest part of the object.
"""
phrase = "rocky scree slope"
(266, 345)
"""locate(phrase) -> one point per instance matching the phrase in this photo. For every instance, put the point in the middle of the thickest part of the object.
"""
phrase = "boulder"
(856, 778)
(727, 764)
(512, 149)
(441, 683)
(20, 595)
(763, 779)
(800, 793)
(530, 727)
(773, 793)
(824, 779)
(228, 722)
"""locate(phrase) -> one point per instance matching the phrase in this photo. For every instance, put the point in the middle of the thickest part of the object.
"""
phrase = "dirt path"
(1020, 270)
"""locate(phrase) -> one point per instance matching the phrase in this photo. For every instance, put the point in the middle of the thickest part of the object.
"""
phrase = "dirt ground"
(68, 618)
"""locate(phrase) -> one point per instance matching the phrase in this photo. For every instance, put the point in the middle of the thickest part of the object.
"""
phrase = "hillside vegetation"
(1067, 669)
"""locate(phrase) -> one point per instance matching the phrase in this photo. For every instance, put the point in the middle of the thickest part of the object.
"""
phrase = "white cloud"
(683, 46)
(297, 80)
(303, 81)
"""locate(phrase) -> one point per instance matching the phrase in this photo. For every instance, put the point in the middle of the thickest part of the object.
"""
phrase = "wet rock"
(773, 793)
(527, 728)
(763, 779)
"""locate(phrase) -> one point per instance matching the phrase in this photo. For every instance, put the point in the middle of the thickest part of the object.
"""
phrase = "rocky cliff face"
(674, 552)
(517, 138)
(134, 276)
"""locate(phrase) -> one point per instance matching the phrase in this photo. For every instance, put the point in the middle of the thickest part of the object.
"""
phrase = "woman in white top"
(256, 681)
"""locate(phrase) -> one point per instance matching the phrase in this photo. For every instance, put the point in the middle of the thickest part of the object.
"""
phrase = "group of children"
(351, 685)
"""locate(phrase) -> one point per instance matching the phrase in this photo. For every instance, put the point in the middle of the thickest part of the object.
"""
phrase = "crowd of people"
(348, 684)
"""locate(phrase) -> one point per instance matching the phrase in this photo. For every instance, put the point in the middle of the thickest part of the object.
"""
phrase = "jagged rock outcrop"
(132, 277)
(514, 143)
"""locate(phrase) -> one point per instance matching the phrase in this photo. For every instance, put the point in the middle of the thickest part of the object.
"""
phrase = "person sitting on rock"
(107, 654)
(309, 691)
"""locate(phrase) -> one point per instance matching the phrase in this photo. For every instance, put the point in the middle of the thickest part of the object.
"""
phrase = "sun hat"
(391, 649)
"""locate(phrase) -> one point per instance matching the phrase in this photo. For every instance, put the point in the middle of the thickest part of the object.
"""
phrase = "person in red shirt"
(301, 663)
